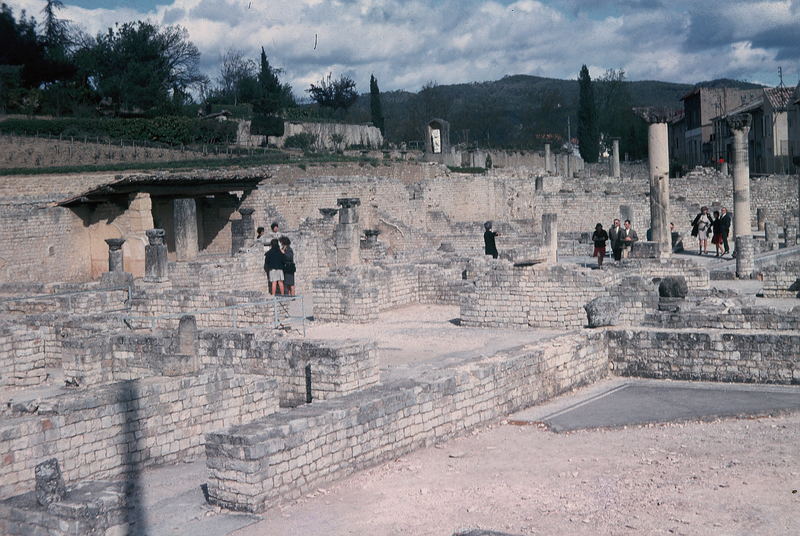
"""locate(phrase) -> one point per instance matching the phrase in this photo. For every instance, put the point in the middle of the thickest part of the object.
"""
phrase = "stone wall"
(336, 368)
(782, 281)
(362, 135)
(106, 431)
(717, 314)
(23, 355)
(284, 456)
(151, 309)
(542, 296)
(360, 294)
(708, 354)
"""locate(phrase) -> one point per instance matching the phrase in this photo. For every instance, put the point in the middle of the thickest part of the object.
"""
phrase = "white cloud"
(406, 43)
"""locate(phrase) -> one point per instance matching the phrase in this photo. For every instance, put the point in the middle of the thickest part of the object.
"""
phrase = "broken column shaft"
(658, 157)
(550, 233)
(155, 256)
(115, 259)
(185, 225)
(347, 236)
(740, 126)
(615, 170)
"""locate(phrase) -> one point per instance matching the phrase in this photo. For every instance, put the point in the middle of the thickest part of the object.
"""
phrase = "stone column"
(185, 225)
(538, 183)
(550, 233)
(745, 254)
(615, 170)
(347, 236)
(740, 126)
(155, 257)
(658, 158)
(761, 218)
(548, 165)
(372, 238)
(723, 168)
(115, 261)
(789, 232)
(770, 235)
(242, 230)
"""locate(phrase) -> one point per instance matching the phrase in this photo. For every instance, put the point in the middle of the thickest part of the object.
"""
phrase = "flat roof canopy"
(178, 185)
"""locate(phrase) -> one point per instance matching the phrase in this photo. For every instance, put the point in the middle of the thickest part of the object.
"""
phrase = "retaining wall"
(108, 430)
(288, 454)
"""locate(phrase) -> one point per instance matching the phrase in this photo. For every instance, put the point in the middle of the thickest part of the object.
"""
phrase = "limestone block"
(49, 482)
(673, 287)
(602, 311)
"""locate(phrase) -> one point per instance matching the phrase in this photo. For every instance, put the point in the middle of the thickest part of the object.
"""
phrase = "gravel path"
(732, 477)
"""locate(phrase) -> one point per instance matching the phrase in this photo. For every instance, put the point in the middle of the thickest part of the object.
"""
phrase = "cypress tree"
(375, 108)
(588, 132)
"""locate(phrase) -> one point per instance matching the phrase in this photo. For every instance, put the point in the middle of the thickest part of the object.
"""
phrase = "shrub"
(169, 130)
(303, 141)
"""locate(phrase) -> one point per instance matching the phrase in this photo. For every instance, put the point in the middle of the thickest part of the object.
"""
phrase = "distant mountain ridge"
(515, 111)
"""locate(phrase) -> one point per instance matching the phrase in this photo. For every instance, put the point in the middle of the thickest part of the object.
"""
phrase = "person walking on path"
(599, 237)
(701, 227)
(274, 262)
(715, 227)
(615, 236)
(289, 268)
(489, 246)
(629, 237)
(724, 228)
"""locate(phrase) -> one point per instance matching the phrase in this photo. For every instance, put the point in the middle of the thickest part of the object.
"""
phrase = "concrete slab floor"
(623, 402)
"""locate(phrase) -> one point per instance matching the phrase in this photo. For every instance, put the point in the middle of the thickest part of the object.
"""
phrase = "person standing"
(701, 226)
(715, 227)
(724, 228)
(615, 236)
(629, 237)
(599, 237)
(274, 262)
(262, 239)
(289, 267)
(489, 246)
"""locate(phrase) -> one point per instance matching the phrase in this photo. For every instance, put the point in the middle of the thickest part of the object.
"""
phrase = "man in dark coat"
(724, 227)
(615, 236)
(490, 248)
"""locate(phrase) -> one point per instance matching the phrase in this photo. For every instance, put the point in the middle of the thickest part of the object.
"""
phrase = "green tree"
(334, 94)
(272, 98)
(139, 65)
(238, 78)
(375, 108)
(588, 133)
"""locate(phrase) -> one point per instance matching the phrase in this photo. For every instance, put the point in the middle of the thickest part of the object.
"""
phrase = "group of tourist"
(278, 260)
(621, 238)
(717, 227)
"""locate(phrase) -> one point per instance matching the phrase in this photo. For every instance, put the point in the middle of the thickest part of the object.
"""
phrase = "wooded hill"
(524, 111)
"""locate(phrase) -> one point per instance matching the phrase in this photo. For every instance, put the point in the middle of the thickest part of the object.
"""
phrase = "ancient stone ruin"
(136, 327)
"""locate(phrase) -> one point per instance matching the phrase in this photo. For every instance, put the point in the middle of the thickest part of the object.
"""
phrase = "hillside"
(523, 110)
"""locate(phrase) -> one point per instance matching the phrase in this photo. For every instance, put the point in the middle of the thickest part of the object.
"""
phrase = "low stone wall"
(245, 271)
(162, 309)
(710, 316)
(360, 294)
(710, 355)
(23, 355)
(286, 455)
(106, 431)
(695, 275)
(542, 295)
(362, 135)
(336, 368)
(782, 281)
(81, 303)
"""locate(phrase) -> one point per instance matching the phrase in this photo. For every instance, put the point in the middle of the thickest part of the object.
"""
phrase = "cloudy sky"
(407, 43)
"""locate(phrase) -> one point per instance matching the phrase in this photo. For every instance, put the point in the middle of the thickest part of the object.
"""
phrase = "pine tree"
(588, 132)
(375, 108)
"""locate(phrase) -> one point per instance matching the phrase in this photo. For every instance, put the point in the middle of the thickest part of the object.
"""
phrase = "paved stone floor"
(624, 402)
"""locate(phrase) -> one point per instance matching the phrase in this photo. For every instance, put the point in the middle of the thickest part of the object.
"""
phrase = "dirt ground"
(731, 477)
